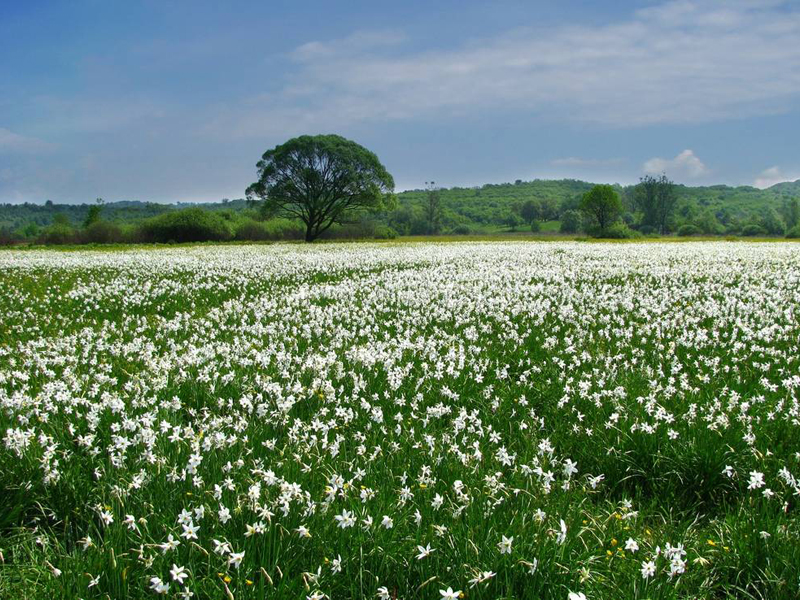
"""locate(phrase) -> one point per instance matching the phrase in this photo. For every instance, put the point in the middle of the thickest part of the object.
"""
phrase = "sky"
(171, 101)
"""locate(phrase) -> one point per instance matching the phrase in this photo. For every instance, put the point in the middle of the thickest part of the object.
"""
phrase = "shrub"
(571, 221)
(753, 230)
(188, 225)
(794, 232)
(461, 230)
(251, 231)
(648, 230)
(536, 226)
(687, 230)
(616, 231)
(58, 234)
(384, 232)
(8, 237)
(102, 232)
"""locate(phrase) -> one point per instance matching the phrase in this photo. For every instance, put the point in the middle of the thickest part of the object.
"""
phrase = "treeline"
(540, 205)
(655, 206)
(193, 224)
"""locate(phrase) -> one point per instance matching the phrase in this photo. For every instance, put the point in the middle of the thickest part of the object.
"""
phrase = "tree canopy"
(602, 205)
(321, 180)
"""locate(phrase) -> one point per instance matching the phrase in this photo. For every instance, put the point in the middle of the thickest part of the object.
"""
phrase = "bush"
(571, 221)
(687, 230)
(102, 232)
(616, 231)
(648, 230)
(536, 226)
(273, 230)
(189, 225)
(461, 230)
(753, 230)
(794, 232)
(384, 232)
(8, 237)
(58, 234)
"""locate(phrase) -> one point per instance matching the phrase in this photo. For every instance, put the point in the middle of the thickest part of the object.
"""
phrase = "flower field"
(471, 420)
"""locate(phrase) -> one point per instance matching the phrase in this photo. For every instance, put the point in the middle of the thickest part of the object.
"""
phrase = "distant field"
(401, 420)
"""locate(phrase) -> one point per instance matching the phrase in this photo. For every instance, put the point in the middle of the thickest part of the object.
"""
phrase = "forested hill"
(476, 208)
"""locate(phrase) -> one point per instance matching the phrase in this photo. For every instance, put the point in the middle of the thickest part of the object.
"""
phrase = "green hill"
(485, 208)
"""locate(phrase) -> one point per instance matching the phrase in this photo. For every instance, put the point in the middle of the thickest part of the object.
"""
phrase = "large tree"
(602, 205)
(321, 180)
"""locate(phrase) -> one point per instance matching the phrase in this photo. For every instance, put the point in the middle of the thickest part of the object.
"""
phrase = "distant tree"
(602, 206)
(530, 211)
(512, 221)
(321, 180)
(548, 209)
(707, 222)
(95, 210)
(571, 221)
(772, 222)
(433, 208)
(30, 230)
(60, 219)
(48, 204)
(791, 212)
(656, 198)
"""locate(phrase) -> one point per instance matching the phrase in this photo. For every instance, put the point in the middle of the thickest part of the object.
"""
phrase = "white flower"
(481, 577)
(631, 545)
(504, 545)
(387, 522)
(756, 480)
(170, 544)
(158, 586)
(178, 573)
(190, 531)
(346, 519)
(561, 536)
(424, 552)
(648, 569)
(449, 594)
(235, 559)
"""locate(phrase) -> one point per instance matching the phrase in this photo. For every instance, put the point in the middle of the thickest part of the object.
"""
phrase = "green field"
(401, 420)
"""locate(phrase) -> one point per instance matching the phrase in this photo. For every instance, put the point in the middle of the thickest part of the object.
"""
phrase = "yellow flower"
(248, 582)
(422, 486)
(712, 543)
(614, 541)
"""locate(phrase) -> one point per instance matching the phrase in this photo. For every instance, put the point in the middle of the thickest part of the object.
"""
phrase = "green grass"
(399, 365)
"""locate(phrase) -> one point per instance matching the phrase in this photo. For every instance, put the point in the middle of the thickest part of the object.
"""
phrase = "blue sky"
(175, 101)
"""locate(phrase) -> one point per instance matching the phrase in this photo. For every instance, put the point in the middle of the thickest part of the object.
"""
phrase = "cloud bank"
(685, 61)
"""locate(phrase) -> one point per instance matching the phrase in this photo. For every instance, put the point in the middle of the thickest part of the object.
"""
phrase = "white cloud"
(14, 142)
(683, 61)
(773, 175)
(684, 166)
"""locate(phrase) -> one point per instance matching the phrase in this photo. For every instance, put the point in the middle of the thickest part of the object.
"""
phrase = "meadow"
(466, 420)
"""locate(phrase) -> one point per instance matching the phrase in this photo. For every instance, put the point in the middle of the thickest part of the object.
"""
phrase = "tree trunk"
(311, 235)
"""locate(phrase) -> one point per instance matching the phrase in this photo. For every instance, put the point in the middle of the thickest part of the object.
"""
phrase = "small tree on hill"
(602, 206)
(95, 210)
(321, 180)
(530, 211)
